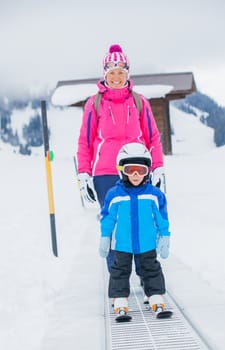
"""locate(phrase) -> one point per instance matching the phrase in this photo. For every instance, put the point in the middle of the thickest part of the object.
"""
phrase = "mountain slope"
(212, 114)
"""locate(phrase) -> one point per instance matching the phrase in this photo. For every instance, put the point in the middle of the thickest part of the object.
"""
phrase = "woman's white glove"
(87, 187)
(158, 178)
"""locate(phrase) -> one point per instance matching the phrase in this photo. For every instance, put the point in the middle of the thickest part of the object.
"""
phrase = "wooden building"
(181, 84)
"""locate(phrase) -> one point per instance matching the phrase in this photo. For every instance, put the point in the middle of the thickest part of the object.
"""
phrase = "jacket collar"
(115, 95)
(132, 189)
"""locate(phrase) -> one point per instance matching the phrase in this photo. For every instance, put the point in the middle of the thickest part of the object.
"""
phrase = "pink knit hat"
(115, 58)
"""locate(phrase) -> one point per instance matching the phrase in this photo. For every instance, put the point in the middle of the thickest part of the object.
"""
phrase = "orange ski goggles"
(130, 169)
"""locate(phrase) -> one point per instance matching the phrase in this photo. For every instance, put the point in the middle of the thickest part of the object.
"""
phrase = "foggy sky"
(46, 41)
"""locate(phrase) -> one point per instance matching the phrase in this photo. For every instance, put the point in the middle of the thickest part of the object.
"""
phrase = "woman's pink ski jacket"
(118, 122)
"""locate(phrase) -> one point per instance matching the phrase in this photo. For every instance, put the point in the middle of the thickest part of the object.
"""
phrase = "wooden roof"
(183, 83)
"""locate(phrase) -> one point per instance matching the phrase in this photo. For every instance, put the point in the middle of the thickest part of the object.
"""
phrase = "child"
(134, 221)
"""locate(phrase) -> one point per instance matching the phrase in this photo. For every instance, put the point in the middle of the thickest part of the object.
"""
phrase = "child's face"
(135, 179)
(135, 172)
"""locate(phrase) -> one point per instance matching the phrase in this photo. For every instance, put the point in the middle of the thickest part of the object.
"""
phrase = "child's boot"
(156, 303)
(146, 300)
(121, 306)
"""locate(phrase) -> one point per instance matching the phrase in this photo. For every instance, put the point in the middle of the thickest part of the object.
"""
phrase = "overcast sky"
(43, 41)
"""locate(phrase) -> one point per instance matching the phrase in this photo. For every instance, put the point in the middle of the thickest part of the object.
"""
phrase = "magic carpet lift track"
(145, 331)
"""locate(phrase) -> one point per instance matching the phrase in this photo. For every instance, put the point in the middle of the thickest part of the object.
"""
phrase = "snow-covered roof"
(176, 85)
(67, 95)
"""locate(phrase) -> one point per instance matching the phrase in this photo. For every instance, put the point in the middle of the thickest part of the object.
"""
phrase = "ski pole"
(48, 158)
(78, 183)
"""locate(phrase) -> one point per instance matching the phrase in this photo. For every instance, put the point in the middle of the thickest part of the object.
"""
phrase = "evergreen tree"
(32, 132)
(25, 150)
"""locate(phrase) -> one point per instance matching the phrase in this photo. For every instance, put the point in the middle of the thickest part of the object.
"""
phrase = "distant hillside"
(21, 120)
(212, 114)
(21, 124)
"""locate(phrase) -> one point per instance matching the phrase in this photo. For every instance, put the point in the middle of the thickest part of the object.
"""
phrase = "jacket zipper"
(111, 115)
(128, 113)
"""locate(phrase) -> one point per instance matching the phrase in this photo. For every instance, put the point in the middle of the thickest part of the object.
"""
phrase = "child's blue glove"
(163, 246)
(104, 246)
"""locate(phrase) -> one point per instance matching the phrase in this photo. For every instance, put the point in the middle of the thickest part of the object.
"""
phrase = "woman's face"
(116, 78)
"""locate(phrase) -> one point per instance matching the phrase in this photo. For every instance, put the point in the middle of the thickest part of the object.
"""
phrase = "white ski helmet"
(133, 153)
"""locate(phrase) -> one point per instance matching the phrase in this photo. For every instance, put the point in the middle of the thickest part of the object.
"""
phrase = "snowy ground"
(35, 285)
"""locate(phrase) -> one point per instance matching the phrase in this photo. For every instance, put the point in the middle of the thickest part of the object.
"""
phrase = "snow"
(153, 91)
(50, 303)
(66, 95)
(187, 131)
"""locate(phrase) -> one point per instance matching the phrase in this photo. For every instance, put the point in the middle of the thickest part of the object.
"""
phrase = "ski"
(164, 314)
(123, 318)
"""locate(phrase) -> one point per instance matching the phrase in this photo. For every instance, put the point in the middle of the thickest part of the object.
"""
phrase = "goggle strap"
(119, 167)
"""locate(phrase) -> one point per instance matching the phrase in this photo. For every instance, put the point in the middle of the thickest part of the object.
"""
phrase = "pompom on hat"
(115, 58)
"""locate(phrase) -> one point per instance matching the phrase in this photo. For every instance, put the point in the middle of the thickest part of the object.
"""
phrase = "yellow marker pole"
(48, 158)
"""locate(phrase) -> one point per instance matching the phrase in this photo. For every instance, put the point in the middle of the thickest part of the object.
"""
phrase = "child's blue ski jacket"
(134, 217)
